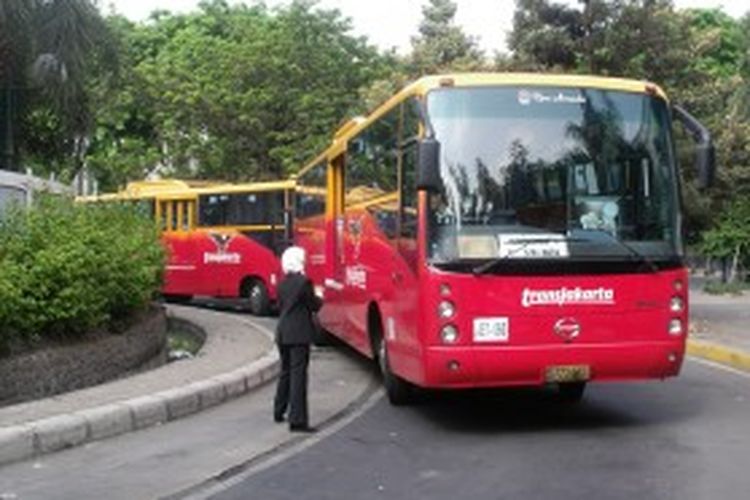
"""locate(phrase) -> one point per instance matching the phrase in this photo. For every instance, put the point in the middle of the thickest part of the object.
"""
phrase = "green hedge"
(67, 268)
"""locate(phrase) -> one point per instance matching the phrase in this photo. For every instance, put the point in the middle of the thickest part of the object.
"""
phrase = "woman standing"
(294, 334)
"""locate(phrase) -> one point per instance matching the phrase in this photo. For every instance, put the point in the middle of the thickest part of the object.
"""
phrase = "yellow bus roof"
(247, 187)
(172, 189)
(421, 87)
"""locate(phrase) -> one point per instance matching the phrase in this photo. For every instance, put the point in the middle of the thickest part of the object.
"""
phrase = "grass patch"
(719, 288)
(183, 340)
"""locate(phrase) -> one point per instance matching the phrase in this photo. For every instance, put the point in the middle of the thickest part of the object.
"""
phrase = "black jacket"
(298, 303)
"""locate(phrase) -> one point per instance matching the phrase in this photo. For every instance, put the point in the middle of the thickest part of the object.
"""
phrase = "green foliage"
(732, 232)
(719, 288)
(729, 239)
(228, 92)
(66, 269)
(442, 46)
(47, 51)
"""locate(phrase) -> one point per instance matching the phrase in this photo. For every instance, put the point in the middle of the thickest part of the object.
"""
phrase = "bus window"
(213, 210)
(178, 213)
(262, 208)
(164, 215)
(371, 180)
(311, 193)
(189, 215)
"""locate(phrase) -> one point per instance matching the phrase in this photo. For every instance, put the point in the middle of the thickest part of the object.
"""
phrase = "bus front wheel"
(399, 391)
(257, 297)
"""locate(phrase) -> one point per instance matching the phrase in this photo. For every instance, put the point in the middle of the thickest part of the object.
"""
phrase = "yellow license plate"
(568, 373)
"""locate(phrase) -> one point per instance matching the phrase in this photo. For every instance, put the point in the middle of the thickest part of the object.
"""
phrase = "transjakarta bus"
(222, 240)
(485, 230)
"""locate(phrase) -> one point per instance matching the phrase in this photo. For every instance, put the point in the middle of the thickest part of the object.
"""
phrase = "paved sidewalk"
(238, 356)
(190, 455)
(720, 328)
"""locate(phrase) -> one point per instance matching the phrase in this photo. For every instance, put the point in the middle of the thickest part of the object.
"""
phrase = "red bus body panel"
(626, 339)
(214, 263)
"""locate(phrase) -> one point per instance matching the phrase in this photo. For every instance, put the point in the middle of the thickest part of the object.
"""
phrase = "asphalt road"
(686, 438)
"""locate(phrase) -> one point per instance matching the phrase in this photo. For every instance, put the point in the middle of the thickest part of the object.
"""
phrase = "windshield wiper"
(525, 242)
(634, 254)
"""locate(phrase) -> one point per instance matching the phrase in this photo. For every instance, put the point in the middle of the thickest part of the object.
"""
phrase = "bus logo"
(221, 256)
(567, 328)
(568, 296)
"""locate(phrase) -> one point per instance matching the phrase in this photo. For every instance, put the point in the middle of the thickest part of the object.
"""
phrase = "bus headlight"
(449, 334)
(446, 309)
(675, 327)
(676, 304)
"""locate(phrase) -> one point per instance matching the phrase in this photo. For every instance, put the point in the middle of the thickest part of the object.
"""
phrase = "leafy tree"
(730, 238)
(231, 92)
(47, 48)
(441, 45)
(545, 35)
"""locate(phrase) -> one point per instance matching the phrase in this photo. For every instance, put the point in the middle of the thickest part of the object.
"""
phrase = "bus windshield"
(552, 173)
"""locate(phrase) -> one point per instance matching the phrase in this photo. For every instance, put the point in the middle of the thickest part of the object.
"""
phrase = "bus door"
(403, 329)
(176, 218)
(335, 272)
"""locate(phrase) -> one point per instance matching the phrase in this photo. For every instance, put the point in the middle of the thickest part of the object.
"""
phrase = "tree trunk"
(735, 264)
(9, 152)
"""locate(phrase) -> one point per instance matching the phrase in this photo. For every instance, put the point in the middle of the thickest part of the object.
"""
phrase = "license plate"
(491, 330)
(569, 373)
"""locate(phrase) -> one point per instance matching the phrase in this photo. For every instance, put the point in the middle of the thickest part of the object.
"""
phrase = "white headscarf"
(293, 260)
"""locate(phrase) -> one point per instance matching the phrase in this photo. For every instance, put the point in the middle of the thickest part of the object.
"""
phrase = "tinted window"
(246, 209)
(213, 210)
(311, 192)
(372, 173)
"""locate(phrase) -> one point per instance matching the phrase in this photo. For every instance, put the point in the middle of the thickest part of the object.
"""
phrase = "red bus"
(488, 230)
(222, 240)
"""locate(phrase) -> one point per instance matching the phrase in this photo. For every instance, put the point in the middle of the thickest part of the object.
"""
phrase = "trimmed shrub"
(67, 269)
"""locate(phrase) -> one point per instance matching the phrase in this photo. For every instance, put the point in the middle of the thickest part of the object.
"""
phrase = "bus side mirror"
(705, 153)
(705, 160)
(428, 174)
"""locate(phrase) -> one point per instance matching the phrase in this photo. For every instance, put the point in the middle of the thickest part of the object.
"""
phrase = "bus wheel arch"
(399, 391)
(254, 289)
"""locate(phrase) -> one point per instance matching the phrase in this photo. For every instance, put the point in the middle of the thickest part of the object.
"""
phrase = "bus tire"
(571, 392)
(257, 298)
(177, 299)
(399, 391)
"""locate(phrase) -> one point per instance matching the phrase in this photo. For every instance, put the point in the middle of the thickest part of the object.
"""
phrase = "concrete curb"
(23, 441)
(734, 358)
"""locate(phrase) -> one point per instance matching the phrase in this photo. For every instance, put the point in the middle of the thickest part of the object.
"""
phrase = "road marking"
(719, 353)
(719, 366)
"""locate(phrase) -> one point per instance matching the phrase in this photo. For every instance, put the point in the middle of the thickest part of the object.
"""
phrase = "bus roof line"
(422, 86)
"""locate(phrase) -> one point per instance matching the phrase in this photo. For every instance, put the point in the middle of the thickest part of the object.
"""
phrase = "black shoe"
(278, 418)
(302, 428)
